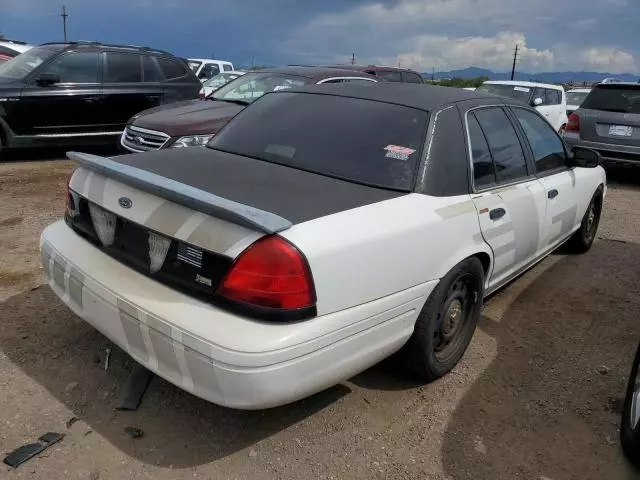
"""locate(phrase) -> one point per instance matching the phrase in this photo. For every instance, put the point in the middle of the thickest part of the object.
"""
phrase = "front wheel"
(630, 426)
(582, 239)
(447, 321)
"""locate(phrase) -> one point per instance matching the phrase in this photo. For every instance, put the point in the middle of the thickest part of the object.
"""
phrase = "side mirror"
(537, 102)
(47, 79)
(585, 157)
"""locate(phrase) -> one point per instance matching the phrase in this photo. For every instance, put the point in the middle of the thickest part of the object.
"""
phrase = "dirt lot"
(527, 401)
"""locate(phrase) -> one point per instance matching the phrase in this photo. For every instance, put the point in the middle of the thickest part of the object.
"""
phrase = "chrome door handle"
(497, 213)
(552, 193)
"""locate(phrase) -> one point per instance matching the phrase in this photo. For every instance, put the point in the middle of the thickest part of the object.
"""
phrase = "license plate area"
(620, 130)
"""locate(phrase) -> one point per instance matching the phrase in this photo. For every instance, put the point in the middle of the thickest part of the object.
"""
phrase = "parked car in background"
(550, 100)
(609, 121)
(575, 97)
(388, 74)
(218, 81)
(70, 93)
(193, 124)
(323, 229)
(205, 68)
(630, 425)
(13, 48)
(611, 80)
(471, 89)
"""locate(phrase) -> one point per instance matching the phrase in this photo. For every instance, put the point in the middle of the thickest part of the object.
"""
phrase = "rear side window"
(614, 98)
(123, 68)
(150, 72)
(227, 67)
(410, 77)
(552, 97)
(358, 140)
(75, 67)
(172, 68)
(389, 75)
(507, 153)
(484, 172)
(547, 147)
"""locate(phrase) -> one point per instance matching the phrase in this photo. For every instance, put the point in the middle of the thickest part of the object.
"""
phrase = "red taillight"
(271, 273)
(573, 123)
(200, 94)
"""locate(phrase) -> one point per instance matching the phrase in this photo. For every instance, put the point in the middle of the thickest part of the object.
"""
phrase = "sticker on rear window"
(398, 153)
(522, 89)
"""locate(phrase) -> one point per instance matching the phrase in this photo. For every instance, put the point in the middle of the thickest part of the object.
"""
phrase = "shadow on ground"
(57, 349)
(543, 409)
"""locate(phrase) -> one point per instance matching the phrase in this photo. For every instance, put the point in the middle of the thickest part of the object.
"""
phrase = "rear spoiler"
(184, 195)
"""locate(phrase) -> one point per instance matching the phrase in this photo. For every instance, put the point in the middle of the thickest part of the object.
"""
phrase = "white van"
(206, 68)
(550, 100)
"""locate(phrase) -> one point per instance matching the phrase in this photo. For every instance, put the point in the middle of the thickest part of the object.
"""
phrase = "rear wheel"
(630, 426)
(447, 321)
(582, 239)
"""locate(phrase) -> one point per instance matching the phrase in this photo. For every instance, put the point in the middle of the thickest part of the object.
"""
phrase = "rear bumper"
(211, 353)
(611, 153)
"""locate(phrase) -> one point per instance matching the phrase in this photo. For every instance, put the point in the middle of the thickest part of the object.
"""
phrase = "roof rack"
(113, 45)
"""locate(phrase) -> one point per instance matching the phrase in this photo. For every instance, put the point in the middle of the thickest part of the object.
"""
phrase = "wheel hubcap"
(454, 315)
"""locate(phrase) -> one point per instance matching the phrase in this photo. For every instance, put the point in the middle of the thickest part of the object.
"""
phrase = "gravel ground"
(528, 400)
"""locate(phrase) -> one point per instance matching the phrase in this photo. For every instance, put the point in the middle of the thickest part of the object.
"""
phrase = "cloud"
(610, 60)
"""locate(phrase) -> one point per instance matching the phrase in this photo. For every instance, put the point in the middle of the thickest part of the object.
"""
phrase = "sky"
(553, 35)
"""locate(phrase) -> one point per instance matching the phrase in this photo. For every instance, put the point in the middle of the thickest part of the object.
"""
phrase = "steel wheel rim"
(591, 221)
(453, 317)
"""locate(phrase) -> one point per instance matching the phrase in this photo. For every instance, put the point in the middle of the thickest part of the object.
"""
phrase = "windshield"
(22, 65)
(254, 85)
(576, 98)
(614, 98)
(512, 91)
(219, 80)
(362, 141)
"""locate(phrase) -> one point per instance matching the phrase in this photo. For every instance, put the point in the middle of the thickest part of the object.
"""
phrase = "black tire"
(582, 239)
(444, 328)
(630, 438)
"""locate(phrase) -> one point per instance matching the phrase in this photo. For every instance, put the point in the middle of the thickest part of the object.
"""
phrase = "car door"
(70, 101)
(125, 91)
(509, 199)
(559, 181)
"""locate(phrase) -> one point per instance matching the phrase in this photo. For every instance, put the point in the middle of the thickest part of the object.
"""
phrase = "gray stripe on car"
(95, 189)
(499, 230)
(168, 218)
(217, 235)
(166, 355)
(133, 333)
(76, 282)
(201, 371)
(127, 307)
(456, 209)
(196, 344)
(158, 325)
(80, 177)
(504, 249)
(567, 220)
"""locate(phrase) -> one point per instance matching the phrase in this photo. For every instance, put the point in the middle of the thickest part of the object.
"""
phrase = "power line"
(515, 58)
(64, 16)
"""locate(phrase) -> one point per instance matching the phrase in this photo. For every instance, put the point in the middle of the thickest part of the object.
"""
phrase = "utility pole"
(433, 74)
(515, 58)
(353, 59)
(64, 16)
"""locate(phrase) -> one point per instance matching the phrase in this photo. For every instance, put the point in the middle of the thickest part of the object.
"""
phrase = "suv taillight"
(573, 123)
(271, 274)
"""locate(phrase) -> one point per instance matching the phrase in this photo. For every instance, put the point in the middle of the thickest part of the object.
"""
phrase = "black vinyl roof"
(424, 97)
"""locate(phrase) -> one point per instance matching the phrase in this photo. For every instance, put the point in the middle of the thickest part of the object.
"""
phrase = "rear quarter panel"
(587, 182)
(367, 253)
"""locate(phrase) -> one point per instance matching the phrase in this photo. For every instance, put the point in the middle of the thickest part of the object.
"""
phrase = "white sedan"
(294, 253)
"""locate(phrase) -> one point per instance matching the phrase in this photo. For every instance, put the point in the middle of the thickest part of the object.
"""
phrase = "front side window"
(22, 65)
(208, 71)
(123, 68)
(507, 153)
(548, 149)
(362, 141)
(252, 86)
(75, 67)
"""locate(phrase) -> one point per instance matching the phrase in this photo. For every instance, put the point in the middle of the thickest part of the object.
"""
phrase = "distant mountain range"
(546, 77)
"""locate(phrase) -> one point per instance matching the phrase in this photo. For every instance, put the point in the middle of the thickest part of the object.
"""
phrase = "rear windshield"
(576, 98)
(512, 91)
(363, 141)
(614, 98)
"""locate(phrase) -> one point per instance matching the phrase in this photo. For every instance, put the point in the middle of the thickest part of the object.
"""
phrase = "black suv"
(85, 92)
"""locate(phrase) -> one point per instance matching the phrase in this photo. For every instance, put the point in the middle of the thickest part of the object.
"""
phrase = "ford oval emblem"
(125, 202)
